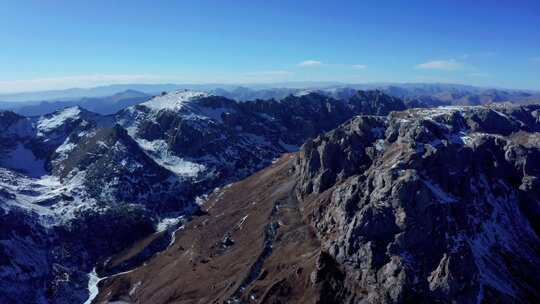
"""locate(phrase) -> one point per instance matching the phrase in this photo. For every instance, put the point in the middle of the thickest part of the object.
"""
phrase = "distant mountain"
(413, 95)
(77, 93)
(114, 103)
(442, 94)
(243, 91)
(102, 105)
(421, 94)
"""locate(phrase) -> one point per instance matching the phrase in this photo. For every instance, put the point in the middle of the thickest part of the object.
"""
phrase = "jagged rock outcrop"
(445, 210)
(375, 103)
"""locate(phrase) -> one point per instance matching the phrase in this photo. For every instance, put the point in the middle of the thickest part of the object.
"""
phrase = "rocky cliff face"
(425, 205)
(441, 204)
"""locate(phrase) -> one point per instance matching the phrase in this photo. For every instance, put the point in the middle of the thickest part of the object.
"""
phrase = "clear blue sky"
(57, 44)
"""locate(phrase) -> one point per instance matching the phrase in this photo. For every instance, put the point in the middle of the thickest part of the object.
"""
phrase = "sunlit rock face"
(437, 204)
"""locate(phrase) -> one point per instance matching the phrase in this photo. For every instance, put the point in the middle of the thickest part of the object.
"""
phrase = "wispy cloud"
(318, 63)
(445, 65)
(310, 63)
(535, 59)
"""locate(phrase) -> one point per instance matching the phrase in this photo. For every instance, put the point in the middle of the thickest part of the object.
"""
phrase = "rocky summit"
(435, 205)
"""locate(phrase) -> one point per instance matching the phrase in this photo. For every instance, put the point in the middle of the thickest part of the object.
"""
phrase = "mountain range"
(102, 105)
(243, 92)
(422, 206)
(363, 197)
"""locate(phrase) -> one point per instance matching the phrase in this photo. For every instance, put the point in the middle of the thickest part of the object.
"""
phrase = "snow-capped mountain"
(78, 186)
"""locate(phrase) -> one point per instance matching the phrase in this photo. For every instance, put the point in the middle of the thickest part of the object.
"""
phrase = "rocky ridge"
(443, 205)
(425, 205)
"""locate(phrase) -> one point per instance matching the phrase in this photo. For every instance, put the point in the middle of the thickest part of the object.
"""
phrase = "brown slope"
(252, 245)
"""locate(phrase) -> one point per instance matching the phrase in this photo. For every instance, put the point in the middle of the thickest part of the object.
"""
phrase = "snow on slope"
(160, 153)
(186, 103)
(48, 123)
(173, 101)
(182, 103)
(44, 196)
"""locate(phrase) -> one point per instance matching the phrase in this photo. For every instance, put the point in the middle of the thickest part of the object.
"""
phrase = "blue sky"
(60, 44)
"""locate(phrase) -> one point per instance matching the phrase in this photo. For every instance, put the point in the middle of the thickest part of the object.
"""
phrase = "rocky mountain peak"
(174, 100)
(431, 209)
(375, 102)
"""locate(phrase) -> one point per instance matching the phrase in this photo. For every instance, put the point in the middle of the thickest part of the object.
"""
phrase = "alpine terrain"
(269, 152)
(77, 187)
(437, 205)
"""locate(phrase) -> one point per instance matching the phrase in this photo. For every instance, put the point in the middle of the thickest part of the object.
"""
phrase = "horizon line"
(272, 85)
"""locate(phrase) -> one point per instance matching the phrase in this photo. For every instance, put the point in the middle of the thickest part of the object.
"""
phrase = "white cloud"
(359, 66)
(535, 59)
(446, 65)
(310, 63)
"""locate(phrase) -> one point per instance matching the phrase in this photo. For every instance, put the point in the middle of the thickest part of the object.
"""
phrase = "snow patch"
(173, 236)
(241, 222)
(48, 123)
(167, 223)
(93, 289)
(439, 193)
(159, 151)
(303, 93)
(379, 145)
(134, 288)
(173, 101)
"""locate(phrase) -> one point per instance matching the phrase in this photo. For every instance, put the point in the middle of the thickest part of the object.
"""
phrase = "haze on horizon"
(64, 44)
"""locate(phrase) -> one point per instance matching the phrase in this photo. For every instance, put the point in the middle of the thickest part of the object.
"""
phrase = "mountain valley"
(192, 197)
